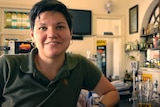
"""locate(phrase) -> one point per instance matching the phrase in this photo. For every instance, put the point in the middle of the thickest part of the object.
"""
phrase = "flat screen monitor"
(81, 20)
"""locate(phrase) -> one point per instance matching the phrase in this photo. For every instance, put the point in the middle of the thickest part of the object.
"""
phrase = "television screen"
(81, 21)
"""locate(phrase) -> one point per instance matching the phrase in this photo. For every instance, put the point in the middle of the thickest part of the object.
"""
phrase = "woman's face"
(51, 34)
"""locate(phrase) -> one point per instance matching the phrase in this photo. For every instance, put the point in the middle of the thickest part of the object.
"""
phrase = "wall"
(98, 6)
(17, 3)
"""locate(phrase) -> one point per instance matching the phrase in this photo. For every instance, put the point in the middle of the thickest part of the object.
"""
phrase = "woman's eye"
(42, 28)
(60, 27)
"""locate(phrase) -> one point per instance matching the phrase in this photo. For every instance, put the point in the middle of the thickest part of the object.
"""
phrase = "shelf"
(108, 36)
(147, 35)
(143, 50)
(131, 50)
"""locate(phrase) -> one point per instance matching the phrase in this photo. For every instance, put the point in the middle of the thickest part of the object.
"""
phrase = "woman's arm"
(108, 93)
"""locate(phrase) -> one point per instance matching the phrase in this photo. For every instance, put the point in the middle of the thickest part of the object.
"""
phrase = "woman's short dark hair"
(49, 5)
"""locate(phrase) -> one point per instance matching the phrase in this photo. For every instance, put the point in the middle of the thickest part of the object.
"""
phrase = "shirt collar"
(28, 65)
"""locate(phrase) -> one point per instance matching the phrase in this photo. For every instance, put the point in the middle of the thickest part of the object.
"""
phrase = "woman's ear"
(32, 35)
(71, 33)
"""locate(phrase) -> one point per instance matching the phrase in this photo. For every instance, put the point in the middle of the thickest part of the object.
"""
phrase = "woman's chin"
(52, 54)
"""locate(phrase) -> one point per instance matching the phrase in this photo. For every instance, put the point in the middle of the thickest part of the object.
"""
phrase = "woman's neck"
(49, 67)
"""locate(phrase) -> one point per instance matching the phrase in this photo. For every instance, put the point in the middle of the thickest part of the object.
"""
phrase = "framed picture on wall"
(133, 19)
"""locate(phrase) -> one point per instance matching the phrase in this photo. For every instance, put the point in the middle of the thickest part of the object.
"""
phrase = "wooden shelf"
(108, 36)
(147, 35)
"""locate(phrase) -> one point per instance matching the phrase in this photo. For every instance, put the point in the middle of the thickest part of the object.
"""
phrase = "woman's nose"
(52, 33)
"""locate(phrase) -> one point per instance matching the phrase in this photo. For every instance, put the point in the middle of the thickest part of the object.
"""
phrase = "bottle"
(126, 76)
(104, 62)
(24, 21)
(8, 19)
(155, 40)
(19, 20)
(143, 31)
(148, 91)
(155, 91)
(28, 22)
(137, 43)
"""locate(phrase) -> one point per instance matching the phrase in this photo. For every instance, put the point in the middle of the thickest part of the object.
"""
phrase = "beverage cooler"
(101, 56)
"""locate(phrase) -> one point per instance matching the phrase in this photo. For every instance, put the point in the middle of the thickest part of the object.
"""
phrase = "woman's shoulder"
(77, 56)
(10, 57)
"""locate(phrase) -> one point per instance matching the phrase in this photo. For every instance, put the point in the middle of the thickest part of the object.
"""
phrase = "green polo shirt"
(22, 85)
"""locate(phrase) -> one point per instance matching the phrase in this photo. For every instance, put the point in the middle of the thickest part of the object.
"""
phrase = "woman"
(48, 76)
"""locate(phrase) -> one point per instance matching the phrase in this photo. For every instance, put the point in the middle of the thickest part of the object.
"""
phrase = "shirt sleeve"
(91, 73)
(1, 77)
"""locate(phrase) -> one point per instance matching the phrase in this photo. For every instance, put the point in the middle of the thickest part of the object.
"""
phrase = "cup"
(144, 93)
(88, 54)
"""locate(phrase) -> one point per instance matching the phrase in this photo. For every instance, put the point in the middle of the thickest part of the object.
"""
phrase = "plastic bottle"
(139, 88)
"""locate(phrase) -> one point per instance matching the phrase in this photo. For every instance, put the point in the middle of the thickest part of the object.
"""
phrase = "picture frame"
(133, 19)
